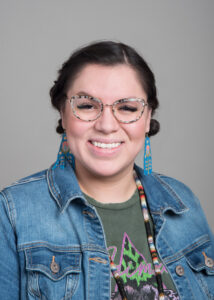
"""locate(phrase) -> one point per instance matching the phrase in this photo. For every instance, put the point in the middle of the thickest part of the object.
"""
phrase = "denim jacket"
(53, 247)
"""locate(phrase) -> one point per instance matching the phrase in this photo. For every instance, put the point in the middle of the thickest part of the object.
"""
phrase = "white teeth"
(106, 146)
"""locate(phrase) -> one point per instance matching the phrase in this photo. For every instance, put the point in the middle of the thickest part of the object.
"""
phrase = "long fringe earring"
(147, 156)
(63, 154)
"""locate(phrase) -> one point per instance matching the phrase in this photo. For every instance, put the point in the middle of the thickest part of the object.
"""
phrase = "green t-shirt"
(127, 244)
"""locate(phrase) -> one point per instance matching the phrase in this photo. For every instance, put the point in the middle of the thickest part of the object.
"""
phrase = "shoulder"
(173, 184)
(22, 187)
(180, 189)
(176, 188)
(28, 179)
(15, 198)
(194, 217)
(165, 193)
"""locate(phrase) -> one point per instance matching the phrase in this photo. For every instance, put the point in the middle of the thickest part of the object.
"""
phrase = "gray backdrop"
(175, 37)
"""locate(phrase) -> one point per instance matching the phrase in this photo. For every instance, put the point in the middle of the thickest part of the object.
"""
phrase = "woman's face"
(108, 83)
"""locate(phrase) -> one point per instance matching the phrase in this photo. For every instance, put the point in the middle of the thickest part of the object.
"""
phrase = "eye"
(127, 108)
(86, 106)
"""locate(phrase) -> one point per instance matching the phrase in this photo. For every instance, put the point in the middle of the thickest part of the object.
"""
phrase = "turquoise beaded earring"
(147, 156)
(63, 154)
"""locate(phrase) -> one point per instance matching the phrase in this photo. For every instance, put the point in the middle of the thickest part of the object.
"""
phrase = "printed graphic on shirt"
(137, 274)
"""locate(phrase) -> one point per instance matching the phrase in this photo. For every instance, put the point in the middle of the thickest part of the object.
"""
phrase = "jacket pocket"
(201, 261)
(52, 274)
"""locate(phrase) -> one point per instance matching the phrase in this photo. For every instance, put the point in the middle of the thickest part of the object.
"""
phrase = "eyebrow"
(82, 93)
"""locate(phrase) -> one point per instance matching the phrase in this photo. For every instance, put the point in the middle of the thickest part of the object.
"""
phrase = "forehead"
(116, 81)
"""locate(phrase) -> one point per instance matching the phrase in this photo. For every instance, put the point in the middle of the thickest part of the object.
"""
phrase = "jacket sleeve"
(9, 262)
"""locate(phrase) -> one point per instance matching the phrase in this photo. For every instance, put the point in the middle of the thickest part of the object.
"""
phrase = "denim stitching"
(46, 245)
(11, 209)
(88, 287)
(63, 208)
(180, 286)
(32, 276)
(81, 248)
(45, 269)
(99, 260)
(53, 189)
(188, 249)
(56, 195)
(24, 181)
(204, 286)
(201, 266)
(37, 283)
(169, 247)
(85, 228)
(51, 275)
(73, 287)
(170, 190)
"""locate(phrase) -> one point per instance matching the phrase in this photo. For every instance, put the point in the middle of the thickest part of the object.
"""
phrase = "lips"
(106, 145)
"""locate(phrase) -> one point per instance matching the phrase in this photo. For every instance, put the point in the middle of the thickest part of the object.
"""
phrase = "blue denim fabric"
(45, 218)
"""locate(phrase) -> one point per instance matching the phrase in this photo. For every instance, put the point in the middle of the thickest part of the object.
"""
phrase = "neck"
(107, 189)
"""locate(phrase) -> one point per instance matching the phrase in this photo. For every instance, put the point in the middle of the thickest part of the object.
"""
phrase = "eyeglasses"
(87, 108)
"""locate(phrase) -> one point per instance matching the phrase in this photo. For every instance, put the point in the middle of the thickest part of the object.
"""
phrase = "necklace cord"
(151, 245)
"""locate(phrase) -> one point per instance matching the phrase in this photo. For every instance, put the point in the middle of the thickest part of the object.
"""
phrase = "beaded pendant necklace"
(151, 244)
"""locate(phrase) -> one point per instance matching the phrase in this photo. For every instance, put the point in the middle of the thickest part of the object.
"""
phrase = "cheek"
(75, 132)
(77, 129)
(136, 131)
(74, 127)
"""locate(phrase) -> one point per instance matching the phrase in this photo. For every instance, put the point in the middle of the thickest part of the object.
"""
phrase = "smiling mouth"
(106, 145)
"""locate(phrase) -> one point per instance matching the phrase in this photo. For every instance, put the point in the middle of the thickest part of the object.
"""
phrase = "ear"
(148, 119)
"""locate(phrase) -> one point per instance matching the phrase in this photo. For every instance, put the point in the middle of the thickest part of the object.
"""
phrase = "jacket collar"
(160, 195)
(64, 187)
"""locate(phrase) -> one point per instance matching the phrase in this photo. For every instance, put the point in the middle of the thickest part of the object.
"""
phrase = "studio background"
(175, 37)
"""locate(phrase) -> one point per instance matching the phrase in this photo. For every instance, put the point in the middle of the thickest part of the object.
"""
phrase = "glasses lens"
(86, 108)
(128, 110)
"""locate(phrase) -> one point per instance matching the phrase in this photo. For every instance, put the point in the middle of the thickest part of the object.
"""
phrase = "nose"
(107, 123)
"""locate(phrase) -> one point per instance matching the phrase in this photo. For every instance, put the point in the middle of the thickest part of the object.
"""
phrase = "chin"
(109, 170)
(103, 168)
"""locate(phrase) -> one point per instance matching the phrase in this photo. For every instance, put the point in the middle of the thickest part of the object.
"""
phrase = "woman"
(95, 225)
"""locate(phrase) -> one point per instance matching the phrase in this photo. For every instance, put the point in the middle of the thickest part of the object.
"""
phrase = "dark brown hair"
(104, 53)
